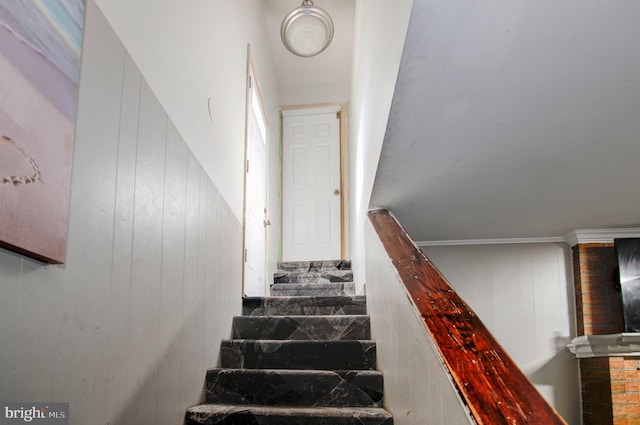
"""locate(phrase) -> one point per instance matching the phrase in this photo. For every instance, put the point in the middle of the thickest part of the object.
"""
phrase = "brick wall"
(610, 390)
(597, 405)
(625, 390)
(598, 298)
(610, 385)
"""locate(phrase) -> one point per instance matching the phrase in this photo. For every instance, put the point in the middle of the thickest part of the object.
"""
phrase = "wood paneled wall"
(125, 330)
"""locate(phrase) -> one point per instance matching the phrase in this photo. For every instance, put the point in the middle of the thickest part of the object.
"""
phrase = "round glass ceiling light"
(307, 30)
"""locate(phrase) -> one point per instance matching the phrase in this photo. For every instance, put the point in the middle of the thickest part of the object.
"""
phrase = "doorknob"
(336, 192)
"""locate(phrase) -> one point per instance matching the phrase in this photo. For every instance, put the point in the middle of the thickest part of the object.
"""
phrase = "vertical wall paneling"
(80, 366)
(40, 329)
(212, 296)
(192, 206)
(10, 306)
(147, 251)
(119, 359)
(172, 283)
(417, 388)
(125, 330)
(230, 260)
(199, 344)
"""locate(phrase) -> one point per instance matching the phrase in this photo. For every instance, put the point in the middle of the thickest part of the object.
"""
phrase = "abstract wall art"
(628, 250)
(40, 44)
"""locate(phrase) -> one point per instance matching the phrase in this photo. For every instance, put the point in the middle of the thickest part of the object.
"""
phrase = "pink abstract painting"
(40, 43)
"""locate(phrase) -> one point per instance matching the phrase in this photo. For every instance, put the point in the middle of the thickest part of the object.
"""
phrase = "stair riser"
(335, 355)
(314, 328)
(312, 289)
(313, 266)
(322, 276)
(301, 306)
(295, 388)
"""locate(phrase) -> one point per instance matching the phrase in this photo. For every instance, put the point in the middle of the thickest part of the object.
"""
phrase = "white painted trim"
(600, 235)
(614, 345)
(314, 110)
(502, 241)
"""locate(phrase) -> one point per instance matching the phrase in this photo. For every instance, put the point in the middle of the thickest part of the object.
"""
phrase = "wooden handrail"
(490, 383)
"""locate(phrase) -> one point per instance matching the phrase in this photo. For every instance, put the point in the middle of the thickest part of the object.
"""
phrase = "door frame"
(343, 119)
(252, 81)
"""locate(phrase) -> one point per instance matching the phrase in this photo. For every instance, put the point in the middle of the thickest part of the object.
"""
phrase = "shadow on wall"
(138, 407)
(546, 374)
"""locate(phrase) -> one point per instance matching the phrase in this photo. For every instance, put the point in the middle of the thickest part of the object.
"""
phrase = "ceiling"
(515, 119)
(333, 66)
(510, 119)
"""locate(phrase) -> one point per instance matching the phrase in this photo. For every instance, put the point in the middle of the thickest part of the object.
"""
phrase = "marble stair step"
(356, 388)
(317, 289)
(316, 328)
(320, 355)
(318, 277)
(220, 414)
(314, 266)
(301, 305)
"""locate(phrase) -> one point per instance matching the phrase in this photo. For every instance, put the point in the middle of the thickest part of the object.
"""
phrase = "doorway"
(312, 185)
(255, 195)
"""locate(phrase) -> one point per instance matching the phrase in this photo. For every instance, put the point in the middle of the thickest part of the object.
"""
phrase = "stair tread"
(308, 305)
(292, 372)
(314, 265)
(320, 276)
(303, 411)
(297, 341)
(335, 272)
(304, 316)
(310, 298)
(318, 289)
(303, 285)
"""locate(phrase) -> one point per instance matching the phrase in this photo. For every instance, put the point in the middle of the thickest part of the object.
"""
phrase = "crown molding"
(574, 238)
(501, 241)
(600, 235)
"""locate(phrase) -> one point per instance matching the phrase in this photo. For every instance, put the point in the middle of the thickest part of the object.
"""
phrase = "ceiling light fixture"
(307, 30)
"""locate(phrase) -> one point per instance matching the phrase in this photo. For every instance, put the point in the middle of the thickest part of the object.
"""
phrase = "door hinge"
(247, 166)
(338, 114)
(250, 81)
(245, 255)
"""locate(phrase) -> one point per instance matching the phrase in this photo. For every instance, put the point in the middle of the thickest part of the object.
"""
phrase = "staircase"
(303, 356)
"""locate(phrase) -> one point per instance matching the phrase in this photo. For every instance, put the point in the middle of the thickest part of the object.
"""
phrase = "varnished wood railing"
(494, 389)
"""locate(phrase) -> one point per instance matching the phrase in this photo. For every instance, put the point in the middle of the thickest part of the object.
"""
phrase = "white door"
(311, 198)
(255, 195)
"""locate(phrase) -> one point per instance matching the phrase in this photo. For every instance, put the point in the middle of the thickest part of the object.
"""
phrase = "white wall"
(380, 30)
(417, 388)
(190, 51)
(125, 330)
(524, 294)
(309, 95)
